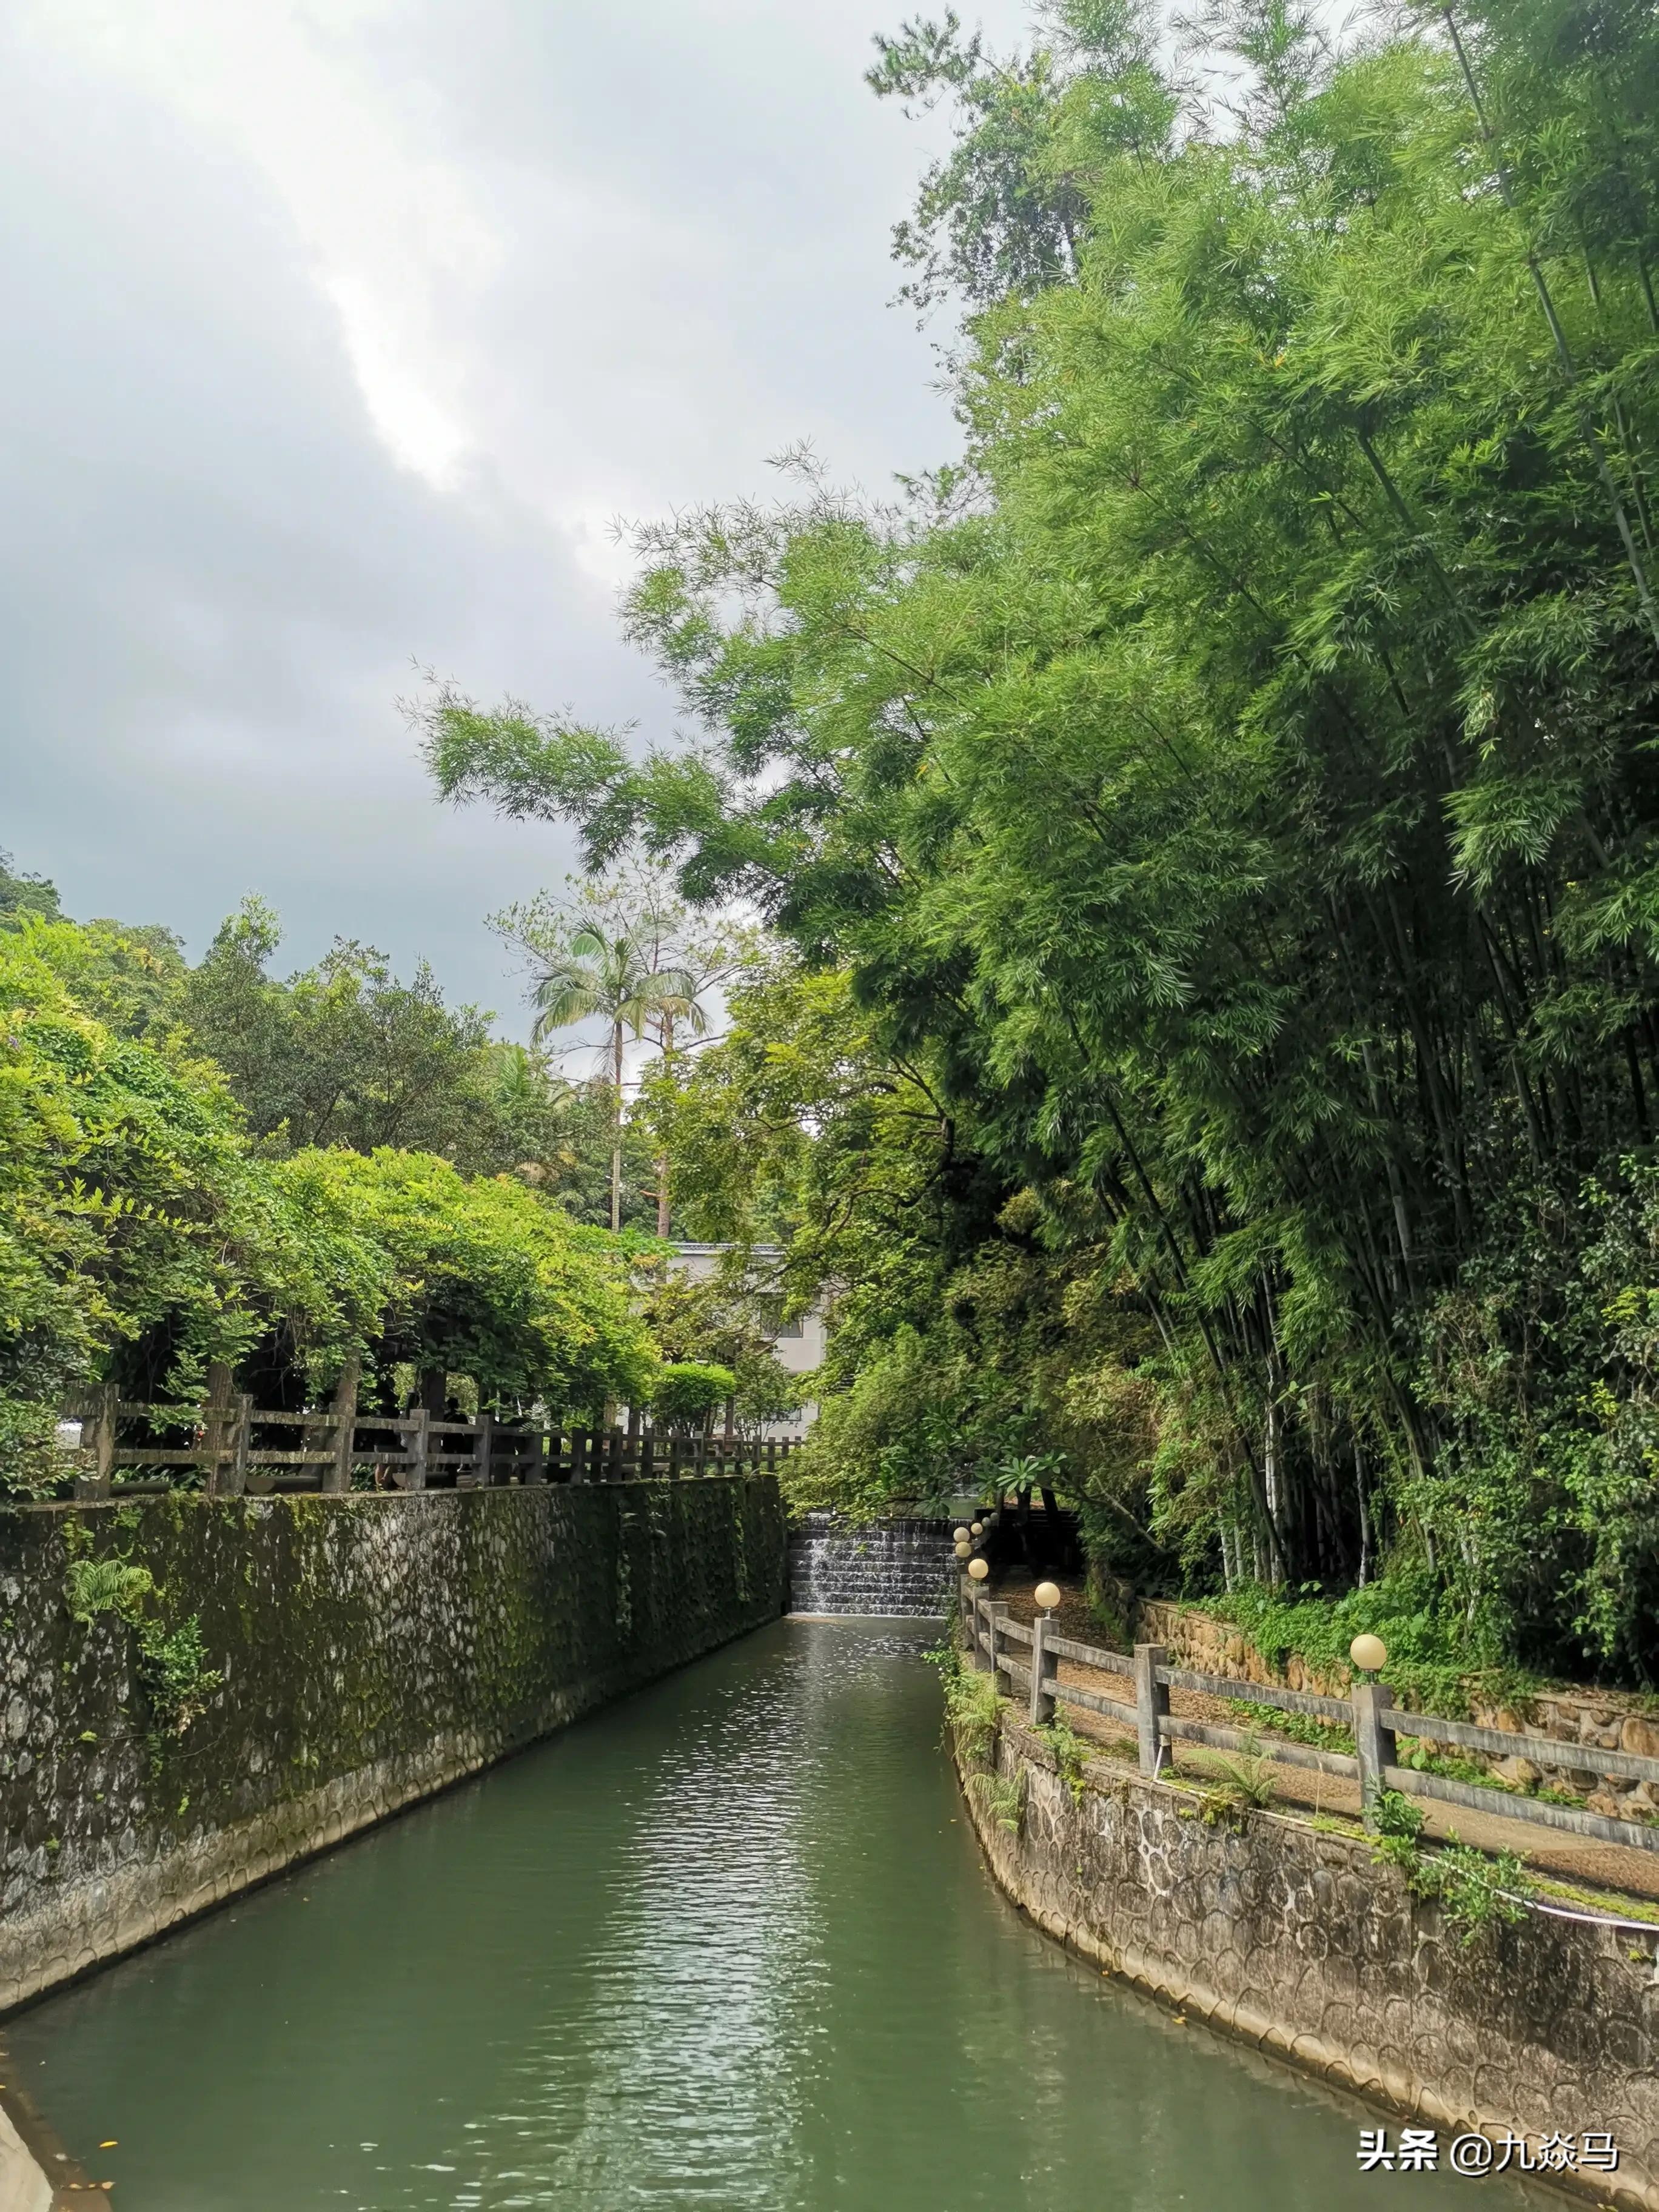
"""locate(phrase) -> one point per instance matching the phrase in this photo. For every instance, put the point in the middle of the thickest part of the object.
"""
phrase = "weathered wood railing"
(236, 1446)
(1370, 1712)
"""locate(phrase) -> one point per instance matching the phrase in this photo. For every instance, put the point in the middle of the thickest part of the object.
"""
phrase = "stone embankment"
(1298, 1941)
(1612, 1720)
(367, 1651)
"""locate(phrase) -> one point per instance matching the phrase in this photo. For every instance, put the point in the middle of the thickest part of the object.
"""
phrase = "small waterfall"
(892, 1567)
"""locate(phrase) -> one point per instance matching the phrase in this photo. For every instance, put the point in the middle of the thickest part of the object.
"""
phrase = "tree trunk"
(617, 1139)
(1051, 1543)
(662, 1158)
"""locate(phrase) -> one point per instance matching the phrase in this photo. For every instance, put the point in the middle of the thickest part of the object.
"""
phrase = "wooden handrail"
(1375, 1720)
(405, 1447)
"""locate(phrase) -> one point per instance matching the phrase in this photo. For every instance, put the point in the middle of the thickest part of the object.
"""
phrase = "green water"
(727, 1945)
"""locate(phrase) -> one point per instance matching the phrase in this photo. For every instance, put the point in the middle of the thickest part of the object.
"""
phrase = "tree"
(25, 893)
(1231, 798)
(143, 1235)
(589, 960)
(342, 1052)
(486, 1280)
(139, 1239)
(641, 899)
(730, 1318)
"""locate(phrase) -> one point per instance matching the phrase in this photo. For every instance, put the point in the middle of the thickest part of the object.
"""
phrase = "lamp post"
(1043, 1668)
(1373, 1738)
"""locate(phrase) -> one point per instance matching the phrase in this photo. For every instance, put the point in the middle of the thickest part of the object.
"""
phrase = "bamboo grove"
(1231, 790)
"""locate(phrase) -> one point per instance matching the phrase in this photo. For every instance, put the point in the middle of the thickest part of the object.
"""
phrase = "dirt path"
(1579, 1861)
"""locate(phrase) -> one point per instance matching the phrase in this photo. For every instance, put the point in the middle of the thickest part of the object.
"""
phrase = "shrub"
(685, 1391)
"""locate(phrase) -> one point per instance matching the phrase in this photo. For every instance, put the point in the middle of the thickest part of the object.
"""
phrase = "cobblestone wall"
(371, 1650)
(1298, 1941)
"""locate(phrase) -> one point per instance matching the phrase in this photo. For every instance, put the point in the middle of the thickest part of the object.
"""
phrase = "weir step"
(896, 1568)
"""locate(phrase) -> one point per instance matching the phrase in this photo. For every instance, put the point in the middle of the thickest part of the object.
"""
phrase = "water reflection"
(728, 1945)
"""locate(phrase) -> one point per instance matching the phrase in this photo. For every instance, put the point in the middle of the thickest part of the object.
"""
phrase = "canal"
(728, 1944)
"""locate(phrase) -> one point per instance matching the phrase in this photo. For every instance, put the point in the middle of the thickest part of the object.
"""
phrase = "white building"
(798, 1346)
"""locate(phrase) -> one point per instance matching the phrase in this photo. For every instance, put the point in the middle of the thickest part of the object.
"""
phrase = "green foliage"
(25, 894)
(133, 1219)
(1431, 1665)
(1242, 1778)
(1399, 1825)
(143, 1234)
(1071, 1753)
(1474, 1891)
(1217, 823)
(1298, 1727)
(973, 1711)
(341, 1054)
(173, 1672)
(483, 1277)
(1003, 1797)
(171, 1664)
(728, 1318)
(109, 1585)
(684, 1392)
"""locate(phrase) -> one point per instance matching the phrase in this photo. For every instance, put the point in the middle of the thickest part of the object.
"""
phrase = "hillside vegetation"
(1217, 1062)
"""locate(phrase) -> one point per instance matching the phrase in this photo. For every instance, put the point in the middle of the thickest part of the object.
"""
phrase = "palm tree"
(594, 973)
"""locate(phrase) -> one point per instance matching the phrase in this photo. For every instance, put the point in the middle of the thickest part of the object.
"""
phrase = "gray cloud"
(338, 332)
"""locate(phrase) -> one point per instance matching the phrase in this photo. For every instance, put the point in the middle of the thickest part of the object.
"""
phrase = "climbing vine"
(170, 1665)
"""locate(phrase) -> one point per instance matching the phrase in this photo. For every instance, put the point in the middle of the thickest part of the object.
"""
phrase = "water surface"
(729, 1945)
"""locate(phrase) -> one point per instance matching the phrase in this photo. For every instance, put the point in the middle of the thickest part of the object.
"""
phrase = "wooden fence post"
(615, 1471)
(242, 1444)
(975, 1649)
(1373, 1740)
(483, 1450)
(995, 1607)
(338, 1477)
(215, 1423)
(102, 1444)
(647, 1451)
(1152, 1704)
(420, 1443)
(1044, 1667)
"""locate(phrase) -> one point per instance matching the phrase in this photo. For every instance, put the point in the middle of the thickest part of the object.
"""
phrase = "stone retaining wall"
(374, 1649)
(1296, 1940)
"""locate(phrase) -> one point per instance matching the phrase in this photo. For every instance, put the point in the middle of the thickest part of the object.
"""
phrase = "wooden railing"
(1368, 1712)
(237, 1447)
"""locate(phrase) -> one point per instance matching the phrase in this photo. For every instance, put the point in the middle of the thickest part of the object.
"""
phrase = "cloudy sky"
(340, 330)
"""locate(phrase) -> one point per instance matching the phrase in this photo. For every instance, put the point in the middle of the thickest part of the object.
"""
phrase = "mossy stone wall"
(373, 1651)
